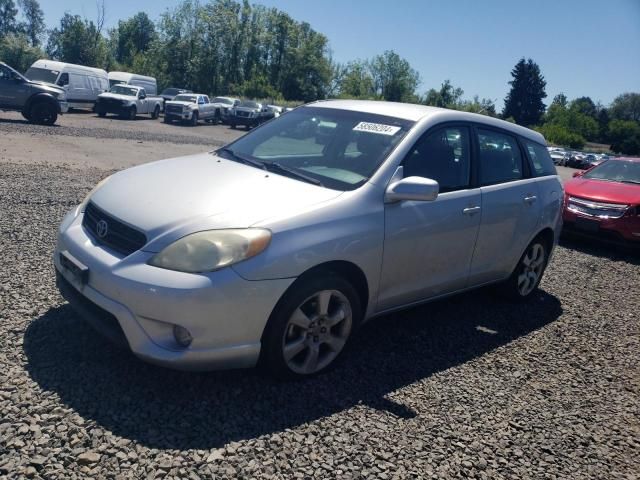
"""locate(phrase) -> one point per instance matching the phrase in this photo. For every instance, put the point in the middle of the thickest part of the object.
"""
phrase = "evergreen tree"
(8, 12)
(524, 101)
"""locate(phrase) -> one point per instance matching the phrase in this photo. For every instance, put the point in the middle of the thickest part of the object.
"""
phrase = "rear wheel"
(44, 113)
(526, 278)
(310, 327)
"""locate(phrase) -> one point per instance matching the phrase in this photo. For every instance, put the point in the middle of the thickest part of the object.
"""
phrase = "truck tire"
(156, 112)
(43, 113)
(194, 119)
(167, 119)
(232, 125)
(217, 118)
(131, 113)
(102, 114)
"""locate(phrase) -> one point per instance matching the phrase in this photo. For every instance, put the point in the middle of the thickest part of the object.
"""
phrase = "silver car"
(278, 246)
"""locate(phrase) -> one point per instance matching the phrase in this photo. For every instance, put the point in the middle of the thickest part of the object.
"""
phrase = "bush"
(17, 52)
(559, 135)
(625, 136)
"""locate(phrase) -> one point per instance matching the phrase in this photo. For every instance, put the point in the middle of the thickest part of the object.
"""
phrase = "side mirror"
(142, 96)
(412, 188)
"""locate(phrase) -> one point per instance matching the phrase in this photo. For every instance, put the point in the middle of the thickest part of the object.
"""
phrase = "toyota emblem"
(102, 228)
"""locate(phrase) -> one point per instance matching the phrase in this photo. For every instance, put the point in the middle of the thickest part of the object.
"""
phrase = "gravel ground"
(466, 388)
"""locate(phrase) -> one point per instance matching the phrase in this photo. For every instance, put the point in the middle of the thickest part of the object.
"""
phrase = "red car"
(604, 201)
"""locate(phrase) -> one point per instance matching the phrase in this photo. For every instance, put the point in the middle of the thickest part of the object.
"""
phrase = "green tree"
(524, 101)
(133, 36)
(357, 81)
(626, 107)
(8, 12)
(585, 106)
(560, 135)
(447, 96)
(17, 51)
(393, 78)
(33, 25)
(625, 136)
(77, 41)
(603, 120)
(560, 99)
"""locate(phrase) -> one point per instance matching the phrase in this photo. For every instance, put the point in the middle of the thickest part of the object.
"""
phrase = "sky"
(583, 47)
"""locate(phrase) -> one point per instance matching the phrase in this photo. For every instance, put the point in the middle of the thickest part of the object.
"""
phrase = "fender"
(41, 97)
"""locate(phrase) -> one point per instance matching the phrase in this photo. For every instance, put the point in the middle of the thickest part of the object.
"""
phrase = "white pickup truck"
(128, 101)
(191, 107)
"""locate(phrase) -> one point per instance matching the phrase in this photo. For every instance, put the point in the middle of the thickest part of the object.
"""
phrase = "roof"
(414, 112)
(128, 76)
(53, 65)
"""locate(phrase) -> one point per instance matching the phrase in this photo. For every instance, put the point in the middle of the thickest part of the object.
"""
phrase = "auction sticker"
(378, 128)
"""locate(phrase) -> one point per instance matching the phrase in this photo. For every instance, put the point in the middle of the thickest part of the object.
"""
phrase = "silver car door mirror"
(412, 188)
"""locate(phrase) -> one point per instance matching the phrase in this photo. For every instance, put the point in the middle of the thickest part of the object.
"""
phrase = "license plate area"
(77, 269)
(587, 225)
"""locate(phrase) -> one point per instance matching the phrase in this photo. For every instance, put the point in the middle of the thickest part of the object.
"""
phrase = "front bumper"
(246, 121)
(184, 115)
(63, 106)
(625, 229)
(224, 313)
(112, 107)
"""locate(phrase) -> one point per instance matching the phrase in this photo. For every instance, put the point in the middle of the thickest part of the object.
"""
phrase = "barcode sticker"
(378, 128)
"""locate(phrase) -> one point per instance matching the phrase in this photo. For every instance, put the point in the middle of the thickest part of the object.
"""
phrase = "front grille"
(592, 208)
(119, 237)
(110, 102)
(174, 109)
(242, 114)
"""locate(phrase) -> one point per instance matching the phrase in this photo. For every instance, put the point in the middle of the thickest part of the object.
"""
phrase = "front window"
(42, 75)
(616, 171)
(340, 149)
(186, 98)
(249, 104)
(224, 101)
(122, 89)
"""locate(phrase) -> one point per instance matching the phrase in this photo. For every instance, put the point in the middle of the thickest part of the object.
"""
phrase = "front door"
(428, 246)
(13, 90)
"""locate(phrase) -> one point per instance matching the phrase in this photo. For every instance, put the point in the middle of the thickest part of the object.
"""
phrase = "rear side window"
(500, 158)
(540, 159)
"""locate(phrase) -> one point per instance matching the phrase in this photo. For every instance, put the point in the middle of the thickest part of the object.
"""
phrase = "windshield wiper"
(242, 158)
(636, 182)
(277, 168)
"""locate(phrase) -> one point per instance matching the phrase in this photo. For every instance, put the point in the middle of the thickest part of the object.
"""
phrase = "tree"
(524, 101)
(447, 97)
(625, 136)
(626, 107)
(33, 25)
(585, 106)
(17, 51)
(77, 41)
(8, 12)
(133, 36)
(357, 81)
(560, 135)
(572, 120)
(560, 99)
(393, 78)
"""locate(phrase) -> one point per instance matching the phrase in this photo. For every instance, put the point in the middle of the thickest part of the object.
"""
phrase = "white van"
(82, 84)
(148, 83)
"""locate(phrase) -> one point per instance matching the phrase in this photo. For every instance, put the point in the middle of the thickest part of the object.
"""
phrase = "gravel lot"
(466, 388)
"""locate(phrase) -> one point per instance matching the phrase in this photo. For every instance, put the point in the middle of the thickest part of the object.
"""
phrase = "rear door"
(510, 206)
(428, 246)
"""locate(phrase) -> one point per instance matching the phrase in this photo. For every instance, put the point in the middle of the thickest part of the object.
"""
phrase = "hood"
(603, 191)
(117, 96)
(247, 109)
(51, 87)
(180, 103)
(171, 198)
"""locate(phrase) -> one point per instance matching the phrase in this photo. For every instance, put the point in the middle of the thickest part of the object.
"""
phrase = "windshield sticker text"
(376, 128)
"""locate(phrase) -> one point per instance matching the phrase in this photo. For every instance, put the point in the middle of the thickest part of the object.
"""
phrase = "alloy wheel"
(531, 269)
(317, 331)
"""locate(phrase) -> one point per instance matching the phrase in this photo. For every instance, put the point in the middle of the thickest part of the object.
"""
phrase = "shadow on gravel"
(162, 408)
(15, 121)
(598, 248)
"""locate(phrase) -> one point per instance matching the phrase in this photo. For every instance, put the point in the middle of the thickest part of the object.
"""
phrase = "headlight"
(83, 205)
(212, 250)
(62, 96)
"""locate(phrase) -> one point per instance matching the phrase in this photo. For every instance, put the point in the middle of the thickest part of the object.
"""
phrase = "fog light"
(182, 335)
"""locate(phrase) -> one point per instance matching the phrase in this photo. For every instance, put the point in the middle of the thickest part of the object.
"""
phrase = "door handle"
(530, 199)
(471, 210)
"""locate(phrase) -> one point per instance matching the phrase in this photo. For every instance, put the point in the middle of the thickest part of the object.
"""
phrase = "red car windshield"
(616, 171)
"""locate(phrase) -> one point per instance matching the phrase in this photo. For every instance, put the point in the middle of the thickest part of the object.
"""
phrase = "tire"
(232, 125)
(43, 113)
(102, 114)
(526, 277)
(156, 112)
(310, 327)
(217, 119)
(131, 113)
(26, 115)
(194, 119)
(167, 119)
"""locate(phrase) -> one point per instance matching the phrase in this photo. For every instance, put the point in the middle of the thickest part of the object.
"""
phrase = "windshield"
(249, 104)
(42, 75)
(226, 101)
(616, 171)
(116, 82)
(339, 148)
(186, 98)
(121, 89)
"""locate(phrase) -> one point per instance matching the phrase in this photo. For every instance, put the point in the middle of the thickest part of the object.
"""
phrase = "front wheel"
(526, 278)
(131, 114)
(310, 327)
(194, 119)
(156, 112)
(43, 113)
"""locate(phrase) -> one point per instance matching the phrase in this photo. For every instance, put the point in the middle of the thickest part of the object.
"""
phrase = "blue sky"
(583, 47)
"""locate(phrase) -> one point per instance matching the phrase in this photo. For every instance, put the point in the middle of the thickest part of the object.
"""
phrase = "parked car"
(225, 104)
(560, 157)
(591, 160)
(277, 248)
(149, 84)
(38, 102)
(170, 93)
(576, 160)
(276, 110)
(191, 107)
(128, 101)
(250, 114)
(81, 84)
(605, 201)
